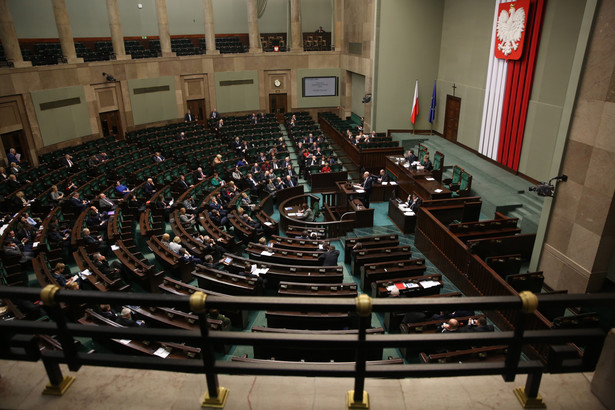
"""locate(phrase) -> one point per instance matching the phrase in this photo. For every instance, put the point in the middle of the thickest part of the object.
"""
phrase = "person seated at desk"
(104, 203)
(125, 319)
(95, 242)
(329, 258)
(121, 189)
(214, 114)
(77, 202)
(477, 325)
(216, 181)
(409, 157)
(106, 312)
(96, 219)
(383, 177)
(326, 168)
(199, 174)
(427, 163)
(217, 159)
(306, 213)
(187, 220)
(414, 202)
(59, 275)
(236, 145)
(452, 326)
(163, 205)
(158, 157)
(149, 189)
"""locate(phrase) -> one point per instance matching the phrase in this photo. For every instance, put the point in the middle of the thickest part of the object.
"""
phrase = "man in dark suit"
(214, 114)
(414, 203)
(200, 176)
(383, 177)
(77, 202)
(158, 157)
(189, 117)
(182, 184)
(149, 188)
(125, 319)
(410, 157)
(329, 258)
(105, 204)
(67, 162)
(367, 187)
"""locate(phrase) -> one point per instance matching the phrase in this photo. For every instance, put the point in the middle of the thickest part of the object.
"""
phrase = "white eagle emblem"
(509, 29)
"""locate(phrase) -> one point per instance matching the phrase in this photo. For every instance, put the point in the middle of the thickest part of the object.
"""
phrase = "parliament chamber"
(201, 198)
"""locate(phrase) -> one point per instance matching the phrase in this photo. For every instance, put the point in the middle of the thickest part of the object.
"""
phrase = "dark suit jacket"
(149, 189)
(329, 258)
(189, 117)
(368, 184)
(64, 162)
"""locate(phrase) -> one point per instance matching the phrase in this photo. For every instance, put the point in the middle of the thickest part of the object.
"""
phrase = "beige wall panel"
(9, 117)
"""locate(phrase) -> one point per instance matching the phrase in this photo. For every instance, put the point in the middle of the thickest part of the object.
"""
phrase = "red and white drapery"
(507, 93)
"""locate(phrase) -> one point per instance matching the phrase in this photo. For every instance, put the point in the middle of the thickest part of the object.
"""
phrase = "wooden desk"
(405, 223)
(380, 193)
(411, 180)
(372, 159)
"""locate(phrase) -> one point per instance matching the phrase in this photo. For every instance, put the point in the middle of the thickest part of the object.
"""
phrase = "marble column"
(339, 24)
(65, 32)
(9, 37)
(210, 32)
(163, 28)
(295, 26)
(115, 24)
(253, 32)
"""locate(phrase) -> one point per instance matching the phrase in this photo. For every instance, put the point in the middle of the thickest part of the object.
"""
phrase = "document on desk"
(292, 213)
(266, 253)
(115, 247)
(393, 183)
(385, 183)
(409, 213)
(260, 271)
(429, 284)
(268, 223)
(124, 341)
(430, 179)
(359, 191)
(437, 191)
(162, 352)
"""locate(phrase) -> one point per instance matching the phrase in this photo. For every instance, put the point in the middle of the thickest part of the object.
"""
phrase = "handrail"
(53, 296)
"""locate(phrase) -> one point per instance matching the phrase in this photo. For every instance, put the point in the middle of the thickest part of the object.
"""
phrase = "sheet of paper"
(385, 183)
(409, 213)
(268, 223)
(437, 191)
(124, 341)
(393, 183)
(266, 253)
(412, 285)
(429, 284)
(162, 352)
(359, 191)
(115, 248)
(430, 179)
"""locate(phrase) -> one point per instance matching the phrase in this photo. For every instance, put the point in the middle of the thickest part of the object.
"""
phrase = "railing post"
(529, 303)
(528, 396)
(58, 384)
(358, 398)
(215, 396)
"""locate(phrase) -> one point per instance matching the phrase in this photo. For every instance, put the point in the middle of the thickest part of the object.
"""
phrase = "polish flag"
(415, 103)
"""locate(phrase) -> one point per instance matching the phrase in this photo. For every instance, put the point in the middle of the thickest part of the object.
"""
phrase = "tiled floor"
(107, 388)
